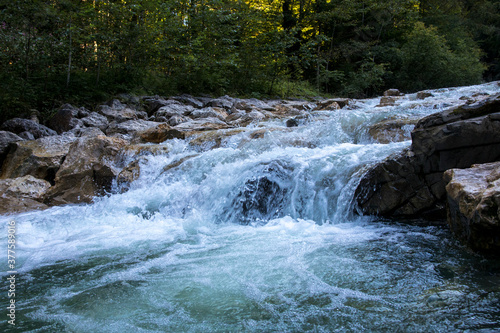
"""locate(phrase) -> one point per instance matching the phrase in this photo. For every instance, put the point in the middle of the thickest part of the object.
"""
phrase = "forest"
(84, 51)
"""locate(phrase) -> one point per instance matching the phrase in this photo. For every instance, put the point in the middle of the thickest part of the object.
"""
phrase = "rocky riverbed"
(83, 154)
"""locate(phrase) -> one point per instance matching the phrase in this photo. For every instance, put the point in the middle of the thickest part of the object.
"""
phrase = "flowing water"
(257, 235)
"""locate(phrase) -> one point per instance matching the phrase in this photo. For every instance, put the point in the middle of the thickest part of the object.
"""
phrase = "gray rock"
(65, 119)
(95, 119)
(18, 126)
(129, 127)
(6, 138)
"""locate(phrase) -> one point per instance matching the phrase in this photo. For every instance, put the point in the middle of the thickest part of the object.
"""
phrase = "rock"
(202, 124)
(118, 113)
(387, 101)
(159, 134)
(252, 104)
(329, 104)
(95, 119)
(18, 126)
(292, 122)
(411, 185)
(189, 100)
(129, 127)
(19, 205)
(424, 94)
(176, 120)
(207, 140)
(224, 102)
(174, 109)
(40, 158)
(130, 173)
(213, 112)
(248, 118)
(392, 130)
(88, 170)
(22, 194)
(5, 139)
(65, 119)
(473, 197)
(86, 131)
(393, 92)
(263, 197)
(156, 102)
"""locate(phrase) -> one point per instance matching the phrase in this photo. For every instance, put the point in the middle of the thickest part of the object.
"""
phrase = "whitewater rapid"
(190, 247)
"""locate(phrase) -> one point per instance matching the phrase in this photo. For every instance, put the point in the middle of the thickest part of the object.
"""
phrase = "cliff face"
(411, 184)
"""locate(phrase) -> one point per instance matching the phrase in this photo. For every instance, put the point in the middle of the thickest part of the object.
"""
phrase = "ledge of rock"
(474, 206)
(411, 184)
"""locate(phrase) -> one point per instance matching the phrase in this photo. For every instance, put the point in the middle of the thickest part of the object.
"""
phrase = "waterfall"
(254, 234)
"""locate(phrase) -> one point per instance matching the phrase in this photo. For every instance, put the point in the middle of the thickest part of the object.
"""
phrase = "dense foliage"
(82, 51)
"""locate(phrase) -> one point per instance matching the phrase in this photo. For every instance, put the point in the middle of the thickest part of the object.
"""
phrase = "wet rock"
(207, 140)
(65, 119)
(248, 118)
(95, 119)
(424, 94)
(263, 197)
(202, 124)
(176, 120)
(411, 184)
(130, 173)
(393, 92)
(329, 104)
(86, 131)
(40, 158)
(473, 197)
(159, 134)
(292, 122)
(88, 170)
(19, 126)
(393, 130)
(22, 194)
(387, 101)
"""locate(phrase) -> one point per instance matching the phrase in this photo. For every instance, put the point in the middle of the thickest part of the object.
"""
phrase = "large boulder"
(159, 134)
(22, 194)
(40, 158)
(6, 138)
(27, 129)
(411, 184)
(474, 206)
(87, 171)
(130, 127)
(95, 119)
(65, 119)
(202, 124)
(392, 130)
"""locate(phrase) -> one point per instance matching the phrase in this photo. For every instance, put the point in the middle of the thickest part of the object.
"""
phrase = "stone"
(18, 126)
(213, 112)
(292, 122)
(424, 94)
(175, 109)
(159, 134)
(118, 114)
(392, 130)
(387, 101)
(40, 158)
(189, 100)
(393, 92)
(328, 104)
(22, 194)
(130, 173)
(65, 119)
(153, 103)
(411, 184)
(86, 131)
(202, 124)
(224, 102)
(6, 138)
(88, 170)
(95, 119)
(473, 197)
(129, 127)
(248, 118)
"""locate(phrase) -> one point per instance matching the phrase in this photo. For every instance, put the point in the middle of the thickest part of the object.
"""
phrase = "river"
(257, 235)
